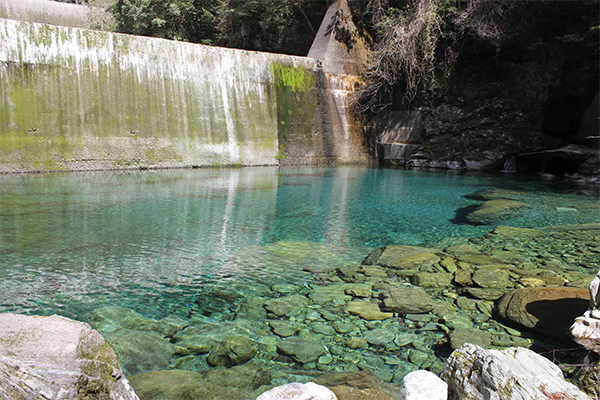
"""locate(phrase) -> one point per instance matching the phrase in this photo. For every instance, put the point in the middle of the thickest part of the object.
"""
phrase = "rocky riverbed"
(364, 324)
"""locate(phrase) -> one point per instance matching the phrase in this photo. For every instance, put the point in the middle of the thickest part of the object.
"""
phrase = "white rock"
(57, 358)
(423, 385)
(586, 329)
(516, 373)
(298, 391)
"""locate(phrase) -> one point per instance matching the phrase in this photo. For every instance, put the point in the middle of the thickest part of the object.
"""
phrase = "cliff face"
(531, 92)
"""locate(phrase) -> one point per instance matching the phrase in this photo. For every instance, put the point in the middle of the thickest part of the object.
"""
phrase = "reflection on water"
(70, 243)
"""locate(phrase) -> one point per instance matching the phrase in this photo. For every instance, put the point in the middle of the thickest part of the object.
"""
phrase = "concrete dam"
(77, 99)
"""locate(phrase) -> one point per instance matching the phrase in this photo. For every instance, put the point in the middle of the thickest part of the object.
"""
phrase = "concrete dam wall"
(76, 99)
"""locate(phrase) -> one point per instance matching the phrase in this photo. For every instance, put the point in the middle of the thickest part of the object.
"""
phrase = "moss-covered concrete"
(74, 99)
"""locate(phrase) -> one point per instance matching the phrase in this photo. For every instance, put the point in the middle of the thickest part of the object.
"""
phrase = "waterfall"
(510, 165)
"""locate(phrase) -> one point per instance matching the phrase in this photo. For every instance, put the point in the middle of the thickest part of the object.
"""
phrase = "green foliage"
(282, 26)
(188, 20)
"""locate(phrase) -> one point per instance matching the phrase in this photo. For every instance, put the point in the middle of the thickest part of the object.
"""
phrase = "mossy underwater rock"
(233, 350)
(58, 358)
(492, 211)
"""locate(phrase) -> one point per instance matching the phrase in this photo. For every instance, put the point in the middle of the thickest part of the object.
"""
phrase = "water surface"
(153, 240)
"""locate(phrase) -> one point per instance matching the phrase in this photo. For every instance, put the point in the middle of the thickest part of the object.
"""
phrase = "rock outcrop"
(57, 358)
(421, 385)
(473, 373)
(586, 329)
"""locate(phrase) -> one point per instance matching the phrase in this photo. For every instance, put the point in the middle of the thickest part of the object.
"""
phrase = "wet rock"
(373, 271)
(491, 278)
(515, 373)
(112, 318)
(288, 306)
(330, 294)
(456, 321)
(496, 194)
(233, 350)
(344, 327)
(493, 211)
(547, 310)
(421, 385)
(460, 336)
(462, 276)
(195, 340)
(300, 349)
(359, 290)
(283, 328)
(361, 385)
(140, 351)
(407, 300)
(57, 358)
(407, 257)
(367, 310)
(235, 383)
(436, 279)
(485, 294)
(323, 329)
(379, 336)
(298, 391)
(356, 343)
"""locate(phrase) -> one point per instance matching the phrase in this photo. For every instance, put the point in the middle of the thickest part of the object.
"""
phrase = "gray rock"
(423, 385)
(301, 350)
(288, 306)
(514, 373)
(57, 358)
(586, 329)
(298, 391)
(233, 350)
(407, 300)
(324, 329)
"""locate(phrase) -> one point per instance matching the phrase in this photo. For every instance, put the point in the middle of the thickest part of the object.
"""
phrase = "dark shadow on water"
(460, 217)
(557, 316)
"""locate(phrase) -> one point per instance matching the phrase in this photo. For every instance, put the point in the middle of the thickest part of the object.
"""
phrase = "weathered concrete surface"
(73, 99)
(57, 358)
(45, 12)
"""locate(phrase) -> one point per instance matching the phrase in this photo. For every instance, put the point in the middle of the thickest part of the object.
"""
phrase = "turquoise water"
(154, 241)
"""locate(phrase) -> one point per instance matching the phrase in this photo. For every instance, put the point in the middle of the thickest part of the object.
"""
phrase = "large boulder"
(298, 391)
(57, 358)
(550, 310)
(473, 373)
(586, 329)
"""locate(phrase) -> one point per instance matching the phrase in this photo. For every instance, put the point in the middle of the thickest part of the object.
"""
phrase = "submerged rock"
(57, 358)
(407, 300)
(550, 310)
(300, 349)
(367, 310)
(406, 257)
(473, 373)
(492, 211)
(233, 350)
(140, 351)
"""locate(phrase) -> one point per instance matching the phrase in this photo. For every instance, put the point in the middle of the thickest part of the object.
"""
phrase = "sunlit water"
(153, 240)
